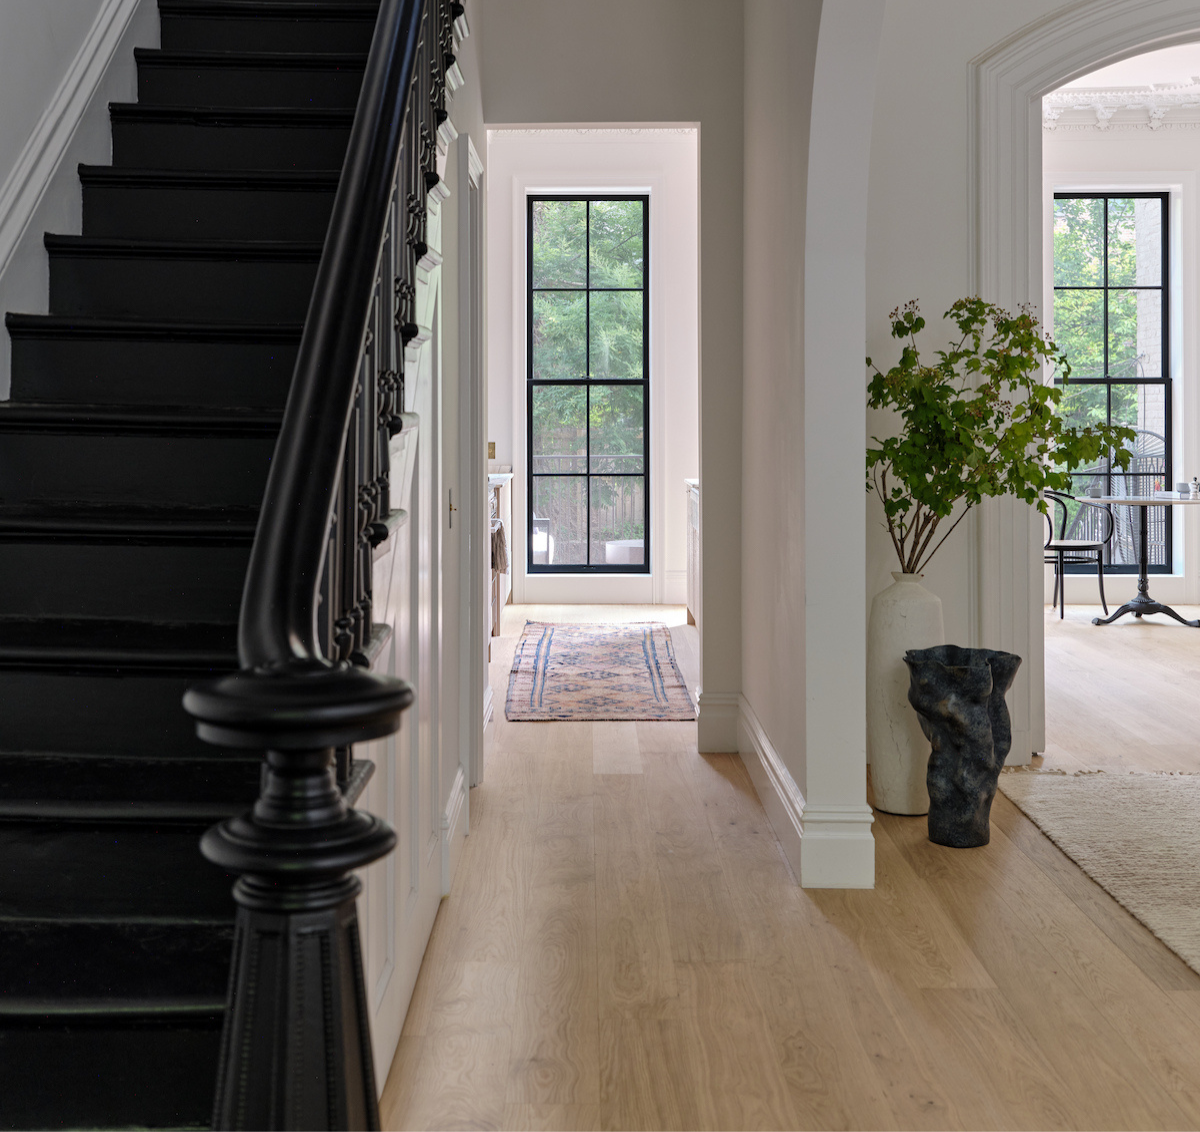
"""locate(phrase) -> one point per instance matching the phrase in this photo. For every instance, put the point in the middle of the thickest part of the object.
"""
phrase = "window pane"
(617, 252)
(1135, 333)
(559, 429)
(1079, 330)
(559, 336)
(1078, 243)
(560, 521)
(618, 520)
(1134, 242)
(559, 243)
(1143, 408)
(617, 428)
(1084, 405)
(617, 335)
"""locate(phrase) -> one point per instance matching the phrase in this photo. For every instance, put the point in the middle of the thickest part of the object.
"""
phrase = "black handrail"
(296, 1050)
(278, 622)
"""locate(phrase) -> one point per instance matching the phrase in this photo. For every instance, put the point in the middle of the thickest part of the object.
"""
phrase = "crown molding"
(1141, 108)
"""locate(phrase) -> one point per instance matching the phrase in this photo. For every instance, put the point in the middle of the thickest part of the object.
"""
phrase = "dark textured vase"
(959, 695)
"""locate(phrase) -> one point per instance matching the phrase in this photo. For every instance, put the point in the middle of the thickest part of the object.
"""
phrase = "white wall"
(781, 48)
(922, 244)
(642, 62)
(61, 63)
(1138, 158)
(38, 41)
(664, 164)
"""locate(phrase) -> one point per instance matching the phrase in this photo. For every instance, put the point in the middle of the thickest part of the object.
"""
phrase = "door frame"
(1005, 88)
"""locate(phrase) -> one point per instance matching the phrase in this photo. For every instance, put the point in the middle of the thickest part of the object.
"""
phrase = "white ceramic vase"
(904, 616)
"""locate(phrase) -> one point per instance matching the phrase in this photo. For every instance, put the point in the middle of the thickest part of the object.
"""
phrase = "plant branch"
(948, 533)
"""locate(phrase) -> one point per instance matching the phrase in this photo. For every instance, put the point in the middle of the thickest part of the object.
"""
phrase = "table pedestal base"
(1144, 603)
(1141, 605)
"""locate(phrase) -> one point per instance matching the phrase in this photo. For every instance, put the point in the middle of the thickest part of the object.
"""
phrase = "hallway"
(630, 950)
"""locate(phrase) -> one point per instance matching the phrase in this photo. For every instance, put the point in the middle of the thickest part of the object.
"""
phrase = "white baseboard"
(489, 705)
(777, 789)
(454, 829)
(42, 193)
(674, 587)
(837, 850)
(827, 846)
(717, 722)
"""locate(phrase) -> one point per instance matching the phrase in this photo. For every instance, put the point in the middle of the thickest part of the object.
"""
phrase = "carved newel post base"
(296, 1050)
(959, 695)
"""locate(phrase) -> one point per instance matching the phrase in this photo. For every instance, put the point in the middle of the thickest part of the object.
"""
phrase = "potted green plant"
(976, 421)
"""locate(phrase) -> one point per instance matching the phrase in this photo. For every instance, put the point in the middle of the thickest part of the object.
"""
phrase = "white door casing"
(475, 546)
(402, 892)
(1005, 88)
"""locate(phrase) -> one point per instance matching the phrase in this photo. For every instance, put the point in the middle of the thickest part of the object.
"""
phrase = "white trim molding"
(777, 789)
(834, 744)
(46, 147)
(454, 829)
(717, 722)
(1127, 108)
(838, 850)
(42, 192)
(826, 846)
(1005, 88)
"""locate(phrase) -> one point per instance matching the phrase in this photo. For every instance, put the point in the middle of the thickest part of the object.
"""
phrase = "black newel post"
(959, 695)
(296, 1051)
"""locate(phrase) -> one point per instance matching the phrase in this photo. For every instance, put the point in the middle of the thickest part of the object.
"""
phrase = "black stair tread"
(222, 779)
(160, 1008)
(300, 116)
(284, 60)
(101, 643)
(285, 9)
(154, 420)
(115, 812)
(118, 247)
(187, 523)
(90, 327)
(247, 180)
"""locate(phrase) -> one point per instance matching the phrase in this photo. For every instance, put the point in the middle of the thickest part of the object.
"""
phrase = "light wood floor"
(1122, 697)
(625, 947)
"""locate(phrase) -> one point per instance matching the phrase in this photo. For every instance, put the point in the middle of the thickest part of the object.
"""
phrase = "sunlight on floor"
(1121, 697)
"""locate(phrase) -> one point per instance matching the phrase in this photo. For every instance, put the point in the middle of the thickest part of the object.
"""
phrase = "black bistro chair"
(1060, 552)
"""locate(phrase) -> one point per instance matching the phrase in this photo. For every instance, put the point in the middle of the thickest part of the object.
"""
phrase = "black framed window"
(588, 405)
(1112, 320)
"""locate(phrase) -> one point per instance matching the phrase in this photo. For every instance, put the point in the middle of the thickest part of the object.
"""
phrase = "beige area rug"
(597, 672)
(1136, 835)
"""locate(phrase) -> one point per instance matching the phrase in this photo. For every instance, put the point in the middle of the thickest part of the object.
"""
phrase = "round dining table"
(1143, 603)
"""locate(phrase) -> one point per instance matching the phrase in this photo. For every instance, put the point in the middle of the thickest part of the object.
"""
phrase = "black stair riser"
(151, 212)
(204, 145)
(112, 1076)
(218, 779)
(250, 30)
(65, 960)
(65, 467)
(109, 870)
(162, 583)
(90, 714)
(234, 84)
(248, 290)
(152, 372)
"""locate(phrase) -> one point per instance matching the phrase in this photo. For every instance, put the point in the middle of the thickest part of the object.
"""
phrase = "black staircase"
(147, 409)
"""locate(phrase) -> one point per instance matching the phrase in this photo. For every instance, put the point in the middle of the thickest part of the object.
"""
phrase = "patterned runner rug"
(1135, 835)
(596, 672)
